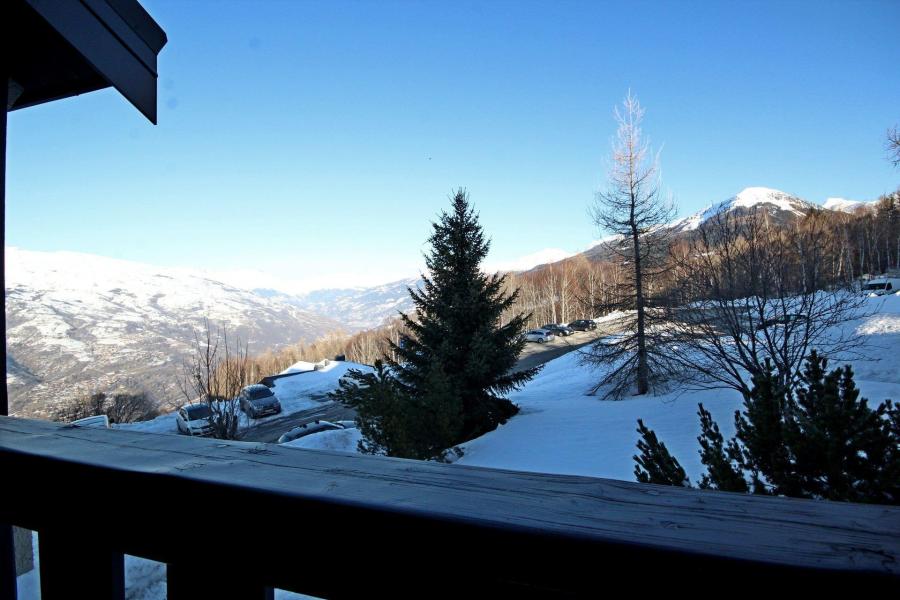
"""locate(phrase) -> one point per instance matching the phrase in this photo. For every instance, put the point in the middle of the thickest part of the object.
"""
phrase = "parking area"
(535, 354)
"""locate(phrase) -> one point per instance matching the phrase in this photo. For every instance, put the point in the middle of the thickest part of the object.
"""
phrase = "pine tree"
(723, 463)
(760, 432)
(394, 423)
(456, 330)
(821, 441)
(843, 449)
(656, 464)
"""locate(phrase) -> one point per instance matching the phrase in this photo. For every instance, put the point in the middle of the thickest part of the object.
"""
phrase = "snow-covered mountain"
(780, 205)
(848, 206)
(353, 308)
(78, 321)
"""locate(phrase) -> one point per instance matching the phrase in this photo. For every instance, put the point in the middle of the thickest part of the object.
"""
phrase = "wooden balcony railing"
(233, 520)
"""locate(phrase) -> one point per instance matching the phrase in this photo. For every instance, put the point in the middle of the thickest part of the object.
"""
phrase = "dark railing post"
(73, 567)
(205, 579)
(7, 564)
(7, 551)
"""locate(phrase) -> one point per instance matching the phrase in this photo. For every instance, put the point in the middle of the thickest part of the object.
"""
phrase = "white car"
(98, 421)
(538, 335)
(881, 286)
(193, 419)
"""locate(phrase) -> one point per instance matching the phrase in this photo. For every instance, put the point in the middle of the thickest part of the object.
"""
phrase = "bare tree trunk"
(643, 375)
(632, 210)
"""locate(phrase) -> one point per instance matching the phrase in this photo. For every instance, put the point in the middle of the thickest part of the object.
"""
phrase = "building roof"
(68, 47)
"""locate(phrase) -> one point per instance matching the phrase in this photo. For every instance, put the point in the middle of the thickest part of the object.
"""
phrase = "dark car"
(583, 325)
(788, 319)
(557, 329)
(258, 400)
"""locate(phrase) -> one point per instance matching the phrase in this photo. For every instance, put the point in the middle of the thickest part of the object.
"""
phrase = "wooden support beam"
(230, 577)
(76, 564)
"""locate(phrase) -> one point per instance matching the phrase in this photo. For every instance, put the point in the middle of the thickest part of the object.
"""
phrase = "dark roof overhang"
(61, 48)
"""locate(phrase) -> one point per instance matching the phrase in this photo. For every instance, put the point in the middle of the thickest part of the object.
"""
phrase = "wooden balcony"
(233, 520)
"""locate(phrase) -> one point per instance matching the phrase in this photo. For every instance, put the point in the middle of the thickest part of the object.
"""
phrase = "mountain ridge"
(77, 320)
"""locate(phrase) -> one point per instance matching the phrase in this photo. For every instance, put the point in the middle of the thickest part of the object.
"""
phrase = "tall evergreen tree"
(456, 330)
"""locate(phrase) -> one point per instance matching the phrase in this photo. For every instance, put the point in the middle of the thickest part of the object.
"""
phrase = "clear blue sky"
(318, 139)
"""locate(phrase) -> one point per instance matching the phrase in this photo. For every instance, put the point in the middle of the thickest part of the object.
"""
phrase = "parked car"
(557, 329)
(787, 319)
(307, 429)
(98, 421)
(538, 335)
(583, 325)
(193, 419)
(258, 401)
(881, 286)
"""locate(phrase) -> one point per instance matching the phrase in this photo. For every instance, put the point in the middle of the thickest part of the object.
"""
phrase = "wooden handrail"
(343, 525)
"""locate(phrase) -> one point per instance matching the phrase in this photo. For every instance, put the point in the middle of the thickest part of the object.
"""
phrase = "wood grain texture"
(496, 520)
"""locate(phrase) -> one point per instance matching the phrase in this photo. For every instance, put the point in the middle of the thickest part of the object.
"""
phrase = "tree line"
(862, 243)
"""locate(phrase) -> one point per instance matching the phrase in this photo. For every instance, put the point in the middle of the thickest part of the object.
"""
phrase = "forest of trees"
(859, 244)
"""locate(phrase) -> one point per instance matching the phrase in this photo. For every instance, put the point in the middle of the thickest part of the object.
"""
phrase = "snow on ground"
(306, 388)
(309, 387)
(562, 430)
(335, 440)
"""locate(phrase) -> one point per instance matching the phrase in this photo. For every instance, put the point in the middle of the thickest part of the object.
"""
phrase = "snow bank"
(335, 440)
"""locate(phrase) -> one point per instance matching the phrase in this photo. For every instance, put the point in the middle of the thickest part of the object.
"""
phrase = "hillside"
(782, 208)
(77, 321)
(354, 308)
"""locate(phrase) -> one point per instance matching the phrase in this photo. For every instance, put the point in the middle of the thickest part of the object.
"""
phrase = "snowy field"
(562, 430)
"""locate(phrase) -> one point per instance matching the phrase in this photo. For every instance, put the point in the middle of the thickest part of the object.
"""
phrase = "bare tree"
(215, 375)
(633, 211)
(754, 294)
(893, 146)
(121, 406)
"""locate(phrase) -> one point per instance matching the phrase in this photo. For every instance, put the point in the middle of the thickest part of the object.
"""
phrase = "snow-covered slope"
(782, 207)
(778, 204)
(848, 206)
(353, 308)
(562, 430)
(78, 321)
